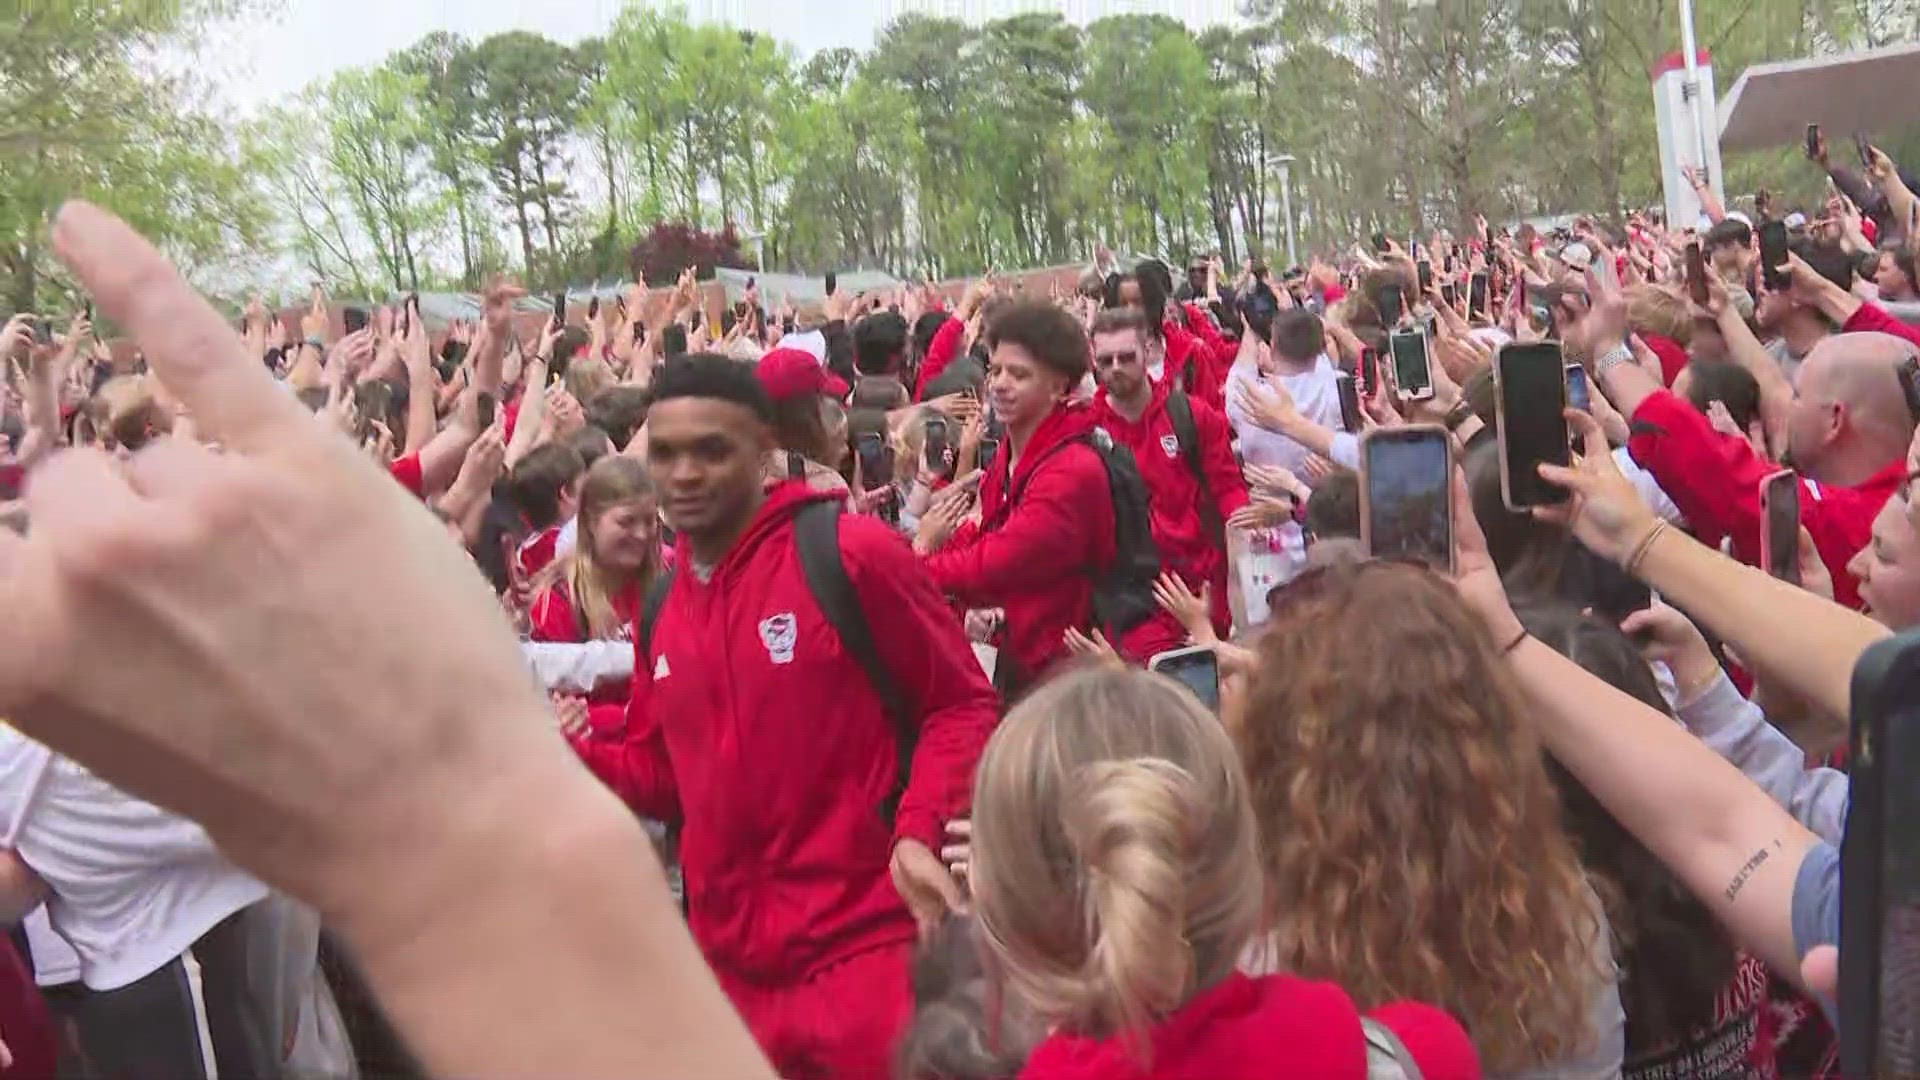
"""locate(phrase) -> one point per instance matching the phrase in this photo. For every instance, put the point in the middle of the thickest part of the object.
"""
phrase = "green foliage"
(85, 112)
(946, 148)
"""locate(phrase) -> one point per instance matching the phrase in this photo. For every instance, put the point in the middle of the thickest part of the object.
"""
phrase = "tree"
(86, 112)
(521, 94)
(436, 59)
(380, 149)
(667, 250)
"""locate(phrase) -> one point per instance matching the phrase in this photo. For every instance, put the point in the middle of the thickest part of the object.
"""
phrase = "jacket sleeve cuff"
(919, 824)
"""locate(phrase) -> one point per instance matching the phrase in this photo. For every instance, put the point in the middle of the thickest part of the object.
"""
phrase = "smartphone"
(354, 319)
(1579, 388)
(1909, 375)
(1412, 364)
(1697, 275)
(593, 307)
(1393, 306)
(1813, 140)
(1369, 369)
(409, 309)
(1349, 402)
(486, 403)
(1530, 401)
(1773, 254)
(43, 331)
(936, 449)
(1780, 525)
(1425, 270)
(1865, 150)
(833, 282)
(1880, 866)
(874, 468)
(1406, 494)
(1477, 293)
(560, 307)
(1379, 242)
(1196, 668)
(989, 447)
(1446, 262)
(1449, 294)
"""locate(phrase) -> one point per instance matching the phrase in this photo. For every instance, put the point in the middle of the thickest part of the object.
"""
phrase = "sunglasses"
(1131, 356)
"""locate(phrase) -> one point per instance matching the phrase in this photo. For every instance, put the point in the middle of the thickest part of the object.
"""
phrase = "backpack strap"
(1387, 1057)
(816, 531)
(650, 606)
(1187, 432)
(796, 466)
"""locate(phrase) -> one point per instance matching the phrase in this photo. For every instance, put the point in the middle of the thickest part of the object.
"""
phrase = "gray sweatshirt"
(1737, 730)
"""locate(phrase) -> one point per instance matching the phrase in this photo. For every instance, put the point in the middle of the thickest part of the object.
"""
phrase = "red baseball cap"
(788, 373)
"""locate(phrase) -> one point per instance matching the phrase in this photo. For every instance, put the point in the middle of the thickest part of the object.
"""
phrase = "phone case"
(1884, 724)
(1500, 430)
(1407, 432)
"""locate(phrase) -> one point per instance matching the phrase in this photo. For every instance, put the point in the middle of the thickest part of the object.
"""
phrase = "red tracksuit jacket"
(1258, 1029)
(1715, 481)
(1036, 559)
(752, 725)
(1178, 531)
(553, 618)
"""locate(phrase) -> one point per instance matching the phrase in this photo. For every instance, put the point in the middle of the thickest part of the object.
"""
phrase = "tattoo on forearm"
(1746, 870)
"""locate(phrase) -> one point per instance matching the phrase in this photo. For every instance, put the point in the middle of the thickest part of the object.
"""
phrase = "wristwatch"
(1459, 414)
(1611, 359)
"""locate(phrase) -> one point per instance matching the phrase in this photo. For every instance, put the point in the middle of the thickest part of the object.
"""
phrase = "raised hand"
(211, 581)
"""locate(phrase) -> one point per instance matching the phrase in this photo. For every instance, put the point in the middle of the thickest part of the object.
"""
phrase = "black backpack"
(1180, 414)
(1123, 591)
(816, 532)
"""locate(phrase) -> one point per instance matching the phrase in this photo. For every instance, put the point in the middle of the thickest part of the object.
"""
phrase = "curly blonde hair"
(1114, 864)
(1412, 842)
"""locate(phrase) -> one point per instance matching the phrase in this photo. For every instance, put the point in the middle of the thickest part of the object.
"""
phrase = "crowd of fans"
(964, 690)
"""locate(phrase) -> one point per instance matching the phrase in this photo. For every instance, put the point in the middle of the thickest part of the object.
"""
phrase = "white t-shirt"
(1316, 394)
(130, 885)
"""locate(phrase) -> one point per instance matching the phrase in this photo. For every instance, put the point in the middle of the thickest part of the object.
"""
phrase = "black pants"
(194, 1018)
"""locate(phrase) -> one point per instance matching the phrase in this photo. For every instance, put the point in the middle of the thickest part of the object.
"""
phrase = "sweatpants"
(193, 1017)
(841, 1024)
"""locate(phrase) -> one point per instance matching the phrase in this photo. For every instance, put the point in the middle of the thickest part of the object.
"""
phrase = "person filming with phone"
(1846, 432)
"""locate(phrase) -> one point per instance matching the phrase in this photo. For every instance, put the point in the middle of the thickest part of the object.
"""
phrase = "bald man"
(1846, 433)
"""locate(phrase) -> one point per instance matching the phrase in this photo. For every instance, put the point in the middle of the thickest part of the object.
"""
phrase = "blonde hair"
(613, 480)
(1114, 860)
(1657, 309)
(587, 376)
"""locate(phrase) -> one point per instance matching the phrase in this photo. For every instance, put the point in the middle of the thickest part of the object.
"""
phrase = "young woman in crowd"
(1413, 845)
(1694, 1005)
(1116, 875)
(595, 592)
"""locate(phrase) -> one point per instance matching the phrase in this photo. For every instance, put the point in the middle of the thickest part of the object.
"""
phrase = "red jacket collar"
(1104, 411)
(783, 500)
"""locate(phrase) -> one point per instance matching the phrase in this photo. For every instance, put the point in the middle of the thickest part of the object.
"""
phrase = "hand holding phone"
(1406, 494)
(1780, 528)
(1530, 402)
(1412, 364)
(1196, 668)
(1697, 275)
(1773, 255)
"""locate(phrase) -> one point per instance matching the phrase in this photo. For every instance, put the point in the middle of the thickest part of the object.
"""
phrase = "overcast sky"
(268, 58)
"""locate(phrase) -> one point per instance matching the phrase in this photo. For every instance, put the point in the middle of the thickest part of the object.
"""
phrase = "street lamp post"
(1285, 161)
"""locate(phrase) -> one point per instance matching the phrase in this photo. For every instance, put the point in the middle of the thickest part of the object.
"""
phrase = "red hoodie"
(1036, 559)
(1715, 481)
(941, 352)
(752, 724)
(1259, 1029)
(1178, 530)
(554, 618)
